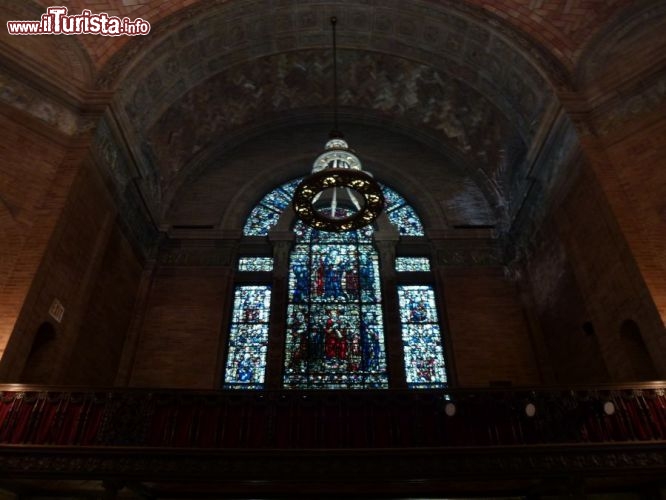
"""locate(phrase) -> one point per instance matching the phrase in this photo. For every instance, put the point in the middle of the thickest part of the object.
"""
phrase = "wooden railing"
(32, 415)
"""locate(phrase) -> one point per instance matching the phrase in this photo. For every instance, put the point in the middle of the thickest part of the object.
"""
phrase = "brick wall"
(29, 199)
(560, 309)
(488, 329)
(637, 155)
(583, 271)
(613, 223)
(26, 154)
(182, 332)
(101, 338)
(90, 268)
(180, 338)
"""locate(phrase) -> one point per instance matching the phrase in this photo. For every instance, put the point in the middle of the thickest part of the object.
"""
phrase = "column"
(282, 242)
(385, 242)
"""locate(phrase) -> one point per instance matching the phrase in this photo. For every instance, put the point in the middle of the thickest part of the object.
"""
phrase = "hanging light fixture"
(338, 196)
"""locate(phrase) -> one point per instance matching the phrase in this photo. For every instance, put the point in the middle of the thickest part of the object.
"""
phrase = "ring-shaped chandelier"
(338, 195)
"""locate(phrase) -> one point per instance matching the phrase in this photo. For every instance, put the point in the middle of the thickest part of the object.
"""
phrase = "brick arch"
(321, 119)
(63, 56)
(228, 187)
(634, 35)
(561, 27)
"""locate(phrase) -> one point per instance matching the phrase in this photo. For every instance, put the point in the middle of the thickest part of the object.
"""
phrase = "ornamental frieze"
(617, 461)
(460, 257)
(23, 97)
(196, 256)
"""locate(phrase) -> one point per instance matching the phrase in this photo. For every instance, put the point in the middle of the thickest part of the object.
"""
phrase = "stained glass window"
(412, 264)
(335, 334)
(266, 214)
(421, 337)
(401, 215)
(393, 199)
(248, 338)
(249, 264)
(335, 329)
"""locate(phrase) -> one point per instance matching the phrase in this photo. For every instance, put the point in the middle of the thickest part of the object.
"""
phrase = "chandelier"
(338, 195)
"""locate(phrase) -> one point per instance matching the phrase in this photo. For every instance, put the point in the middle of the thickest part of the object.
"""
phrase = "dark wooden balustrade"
(390, 443)
(31, 415)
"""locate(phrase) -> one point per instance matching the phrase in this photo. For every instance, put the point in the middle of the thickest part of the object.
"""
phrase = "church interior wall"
(92, 270)
(489, 332)
(182, 329)
(27, 212)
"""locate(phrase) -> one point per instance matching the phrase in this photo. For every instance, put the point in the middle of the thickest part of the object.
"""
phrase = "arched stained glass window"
(401, 214)
(267, 212)
(335, 335)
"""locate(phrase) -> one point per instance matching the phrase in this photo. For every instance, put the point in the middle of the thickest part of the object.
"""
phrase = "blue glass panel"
(248, 338)
(421, 336)
(412, 264)
(424, 356)
(335, 336)
(407, 222)
(301, 231)
(393, 199)
(250, 264)
(307, 234)
(279, 199)
(291, 186)
(260, 221)
(265, 215)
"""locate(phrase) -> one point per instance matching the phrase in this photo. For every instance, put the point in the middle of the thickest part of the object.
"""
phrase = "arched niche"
(640, 364)
(38, 363)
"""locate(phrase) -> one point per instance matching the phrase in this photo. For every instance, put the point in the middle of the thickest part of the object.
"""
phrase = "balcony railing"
(390, 443)
(331, 419)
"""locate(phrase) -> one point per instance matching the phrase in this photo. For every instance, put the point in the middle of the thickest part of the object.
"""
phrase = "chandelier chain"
(336, 129)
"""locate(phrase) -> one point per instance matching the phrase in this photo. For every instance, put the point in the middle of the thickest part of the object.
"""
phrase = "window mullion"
(392, 330)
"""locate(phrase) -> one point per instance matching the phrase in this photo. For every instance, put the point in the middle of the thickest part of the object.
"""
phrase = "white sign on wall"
(57, 310)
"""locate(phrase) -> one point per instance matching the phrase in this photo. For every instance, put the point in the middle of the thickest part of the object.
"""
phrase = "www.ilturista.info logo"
(56, 22)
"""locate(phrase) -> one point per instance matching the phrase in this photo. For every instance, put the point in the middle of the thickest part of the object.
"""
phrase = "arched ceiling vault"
(413, 95)
(477, 78)
(432, 70)
(561, 26)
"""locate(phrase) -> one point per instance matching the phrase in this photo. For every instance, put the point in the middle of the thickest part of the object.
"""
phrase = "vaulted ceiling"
(223, 98)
